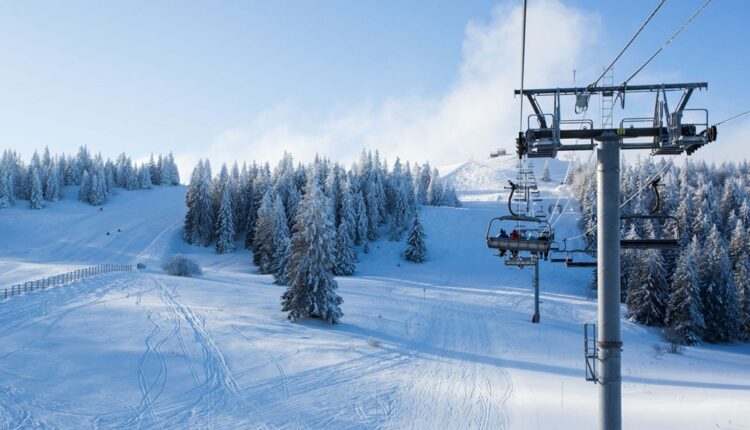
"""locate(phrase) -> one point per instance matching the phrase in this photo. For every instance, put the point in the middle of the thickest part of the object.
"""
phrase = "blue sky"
(422, 79)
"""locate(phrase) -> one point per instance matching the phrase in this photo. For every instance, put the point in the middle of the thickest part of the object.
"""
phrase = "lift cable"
(645, 23)
(567, 202)
(668, 42)
(565, 179)
(523, 63)
(648, 183)
(732, 118)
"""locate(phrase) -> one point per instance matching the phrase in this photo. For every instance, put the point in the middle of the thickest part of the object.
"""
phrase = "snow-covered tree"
(282, 243)
(263, 243)
(200, 208)
(345, 254)
(742, 281)
(647, 296)
(684, 311)
(416, 251)
(52, 188)
(84, 193)
(738, 243)
(312, 290)
(225, 226)
(719, 293)
(144, 177)
(36, 200)
(545, 174)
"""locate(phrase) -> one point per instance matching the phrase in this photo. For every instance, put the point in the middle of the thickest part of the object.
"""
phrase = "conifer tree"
(282, 243)
(144, 178)
(416, 251)
(36, 199)
(742, 280)
(360, 216)
(203, 220)
(263, 243)
(52, 187)
(225, 226)
(647, 297)
(545, 174)
(719, 293)
(345, 255)
(312, 290)
(684, 311)
(738, 243)
(191, 201)
(84, 193)
(628, 261)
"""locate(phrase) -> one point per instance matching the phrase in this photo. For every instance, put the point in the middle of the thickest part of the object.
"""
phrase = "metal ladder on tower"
(607, 100)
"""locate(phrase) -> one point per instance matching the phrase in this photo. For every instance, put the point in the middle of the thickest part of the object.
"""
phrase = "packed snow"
(443, 344)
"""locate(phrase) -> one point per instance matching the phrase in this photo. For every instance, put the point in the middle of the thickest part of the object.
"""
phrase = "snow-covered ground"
(442, 345)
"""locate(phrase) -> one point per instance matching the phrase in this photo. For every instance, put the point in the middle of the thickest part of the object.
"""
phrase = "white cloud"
(476, 115)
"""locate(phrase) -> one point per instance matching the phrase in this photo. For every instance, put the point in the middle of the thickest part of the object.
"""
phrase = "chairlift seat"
(571, 263)
(530, 245)
(649, 244)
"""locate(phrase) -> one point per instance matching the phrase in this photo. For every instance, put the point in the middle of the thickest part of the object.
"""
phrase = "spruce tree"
(738, 243)
(203, 219)
(225, 226)
(345, 254)
(416, 250)
(36, 200)
(84, 193)
(647, 298)
(545, 174)
(191, 202)
(144, 178)
(742, 280)
(282, 243)
(263, 243)
(719, 293)
(684, 311)
(361, 219)
(52, 187)
(312, 290)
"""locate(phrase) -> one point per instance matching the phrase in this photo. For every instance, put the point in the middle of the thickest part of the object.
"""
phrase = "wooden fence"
(63, 279)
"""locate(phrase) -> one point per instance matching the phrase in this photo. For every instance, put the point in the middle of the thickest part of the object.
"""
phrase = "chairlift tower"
(664, 132)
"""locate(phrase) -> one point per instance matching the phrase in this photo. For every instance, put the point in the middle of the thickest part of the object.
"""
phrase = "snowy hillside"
(484, 180)
(446, 344)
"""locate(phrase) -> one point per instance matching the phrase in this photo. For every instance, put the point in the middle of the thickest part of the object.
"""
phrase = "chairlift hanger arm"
(537, 110)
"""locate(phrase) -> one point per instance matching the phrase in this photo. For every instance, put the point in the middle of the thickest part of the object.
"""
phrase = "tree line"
(306, 224)
(701, 291)
(43, 178)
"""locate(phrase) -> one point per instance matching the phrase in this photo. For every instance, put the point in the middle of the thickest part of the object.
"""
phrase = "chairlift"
(652, 243)
(525, 240)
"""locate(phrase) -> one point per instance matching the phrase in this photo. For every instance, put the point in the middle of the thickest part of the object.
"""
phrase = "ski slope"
(446, 344)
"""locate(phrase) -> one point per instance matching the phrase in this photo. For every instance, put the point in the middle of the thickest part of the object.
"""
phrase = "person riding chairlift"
(514, 236)
(543, 237)
(502, 235)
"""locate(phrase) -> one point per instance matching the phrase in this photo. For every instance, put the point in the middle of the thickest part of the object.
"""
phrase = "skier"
(503, 235)
(514, 236)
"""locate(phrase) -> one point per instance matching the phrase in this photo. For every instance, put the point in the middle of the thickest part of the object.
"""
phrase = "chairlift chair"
(538, 247)
(652, 243)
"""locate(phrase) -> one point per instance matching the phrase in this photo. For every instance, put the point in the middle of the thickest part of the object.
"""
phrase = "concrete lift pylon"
(668, 133)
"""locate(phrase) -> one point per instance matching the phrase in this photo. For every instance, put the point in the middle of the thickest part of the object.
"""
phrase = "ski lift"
(568, 255)
(664, 242)
(524, 240)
